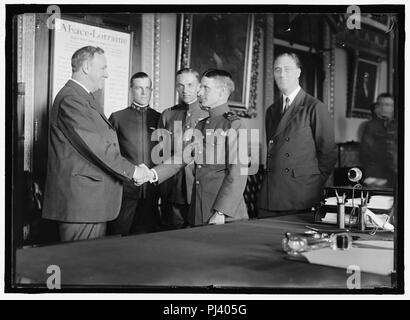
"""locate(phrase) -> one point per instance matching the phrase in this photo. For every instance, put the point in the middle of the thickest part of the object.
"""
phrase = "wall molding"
(329, 67)
(26, 29)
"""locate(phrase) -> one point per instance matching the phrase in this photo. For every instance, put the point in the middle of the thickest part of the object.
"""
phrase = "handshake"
(143, 174)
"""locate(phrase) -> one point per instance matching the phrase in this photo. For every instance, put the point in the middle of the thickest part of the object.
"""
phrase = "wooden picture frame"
(363, 87)
(224, 41)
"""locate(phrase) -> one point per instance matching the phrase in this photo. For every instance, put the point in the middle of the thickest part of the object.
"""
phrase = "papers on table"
(379, 261)
(375, 202)
(381, 202)
(372, 220)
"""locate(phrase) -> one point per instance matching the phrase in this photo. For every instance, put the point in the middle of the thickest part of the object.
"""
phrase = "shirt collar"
(219, 110)
(80, 84)
(192, 102)
(291, 96)
(386, 121)
(193, 105)
(139, 106)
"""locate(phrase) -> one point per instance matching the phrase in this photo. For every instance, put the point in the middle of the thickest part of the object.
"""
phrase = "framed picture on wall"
(364, 87)
(224, 41)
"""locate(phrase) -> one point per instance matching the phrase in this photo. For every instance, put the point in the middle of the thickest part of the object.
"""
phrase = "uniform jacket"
(301, 154)
(134, 126)
(178, 188)
(219, 184)
(85, 169)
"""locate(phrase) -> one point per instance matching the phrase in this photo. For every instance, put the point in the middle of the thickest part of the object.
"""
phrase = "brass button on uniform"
(287, 170)
(197, 182)
(287, 139)
(287, 155)
(270, 141)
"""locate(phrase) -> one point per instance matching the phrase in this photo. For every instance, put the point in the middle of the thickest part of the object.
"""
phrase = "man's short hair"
(385, 95)
(139, 75)
(224, 77)
(83, 54)
(291, 55)
(188, 70)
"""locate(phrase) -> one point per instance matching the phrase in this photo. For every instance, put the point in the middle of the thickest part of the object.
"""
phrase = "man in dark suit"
(301, 151)
(220, 180)
(176, 191)
(85, 169)
(139, 209)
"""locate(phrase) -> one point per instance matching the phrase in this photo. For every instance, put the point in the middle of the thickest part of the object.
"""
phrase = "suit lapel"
(98, 108)
(295, 107)
(87, 96)
(276, 116)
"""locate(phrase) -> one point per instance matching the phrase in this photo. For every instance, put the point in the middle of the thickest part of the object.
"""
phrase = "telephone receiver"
(379, 222)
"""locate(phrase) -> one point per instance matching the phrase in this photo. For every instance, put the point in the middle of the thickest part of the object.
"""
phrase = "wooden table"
(245, 255)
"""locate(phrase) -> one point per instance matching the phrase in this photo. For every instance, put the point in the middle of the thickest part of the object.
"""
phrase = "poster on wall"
(70, 36)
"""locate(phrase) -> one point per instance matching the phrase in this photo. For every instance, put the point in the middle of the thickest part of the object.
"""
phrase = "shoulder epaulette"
(177, 107)
(231, 116)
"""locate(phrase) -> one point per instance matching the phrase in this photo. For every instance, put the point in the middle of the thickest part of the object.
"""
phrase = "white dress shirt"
(291, 97)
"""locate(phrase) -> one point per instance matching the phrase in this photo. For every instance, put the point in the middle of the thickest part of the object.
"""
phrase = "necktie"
(286, 107)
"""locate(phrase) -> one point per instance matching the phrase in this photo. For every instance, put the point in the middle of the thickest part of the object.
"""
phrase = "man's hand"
(142, 174)
(217, 218)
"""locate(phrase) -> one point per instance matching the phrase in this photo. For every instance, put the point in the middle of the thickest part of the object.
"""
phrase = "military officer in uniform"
(134, 125)
(176, 191)
(217, 194)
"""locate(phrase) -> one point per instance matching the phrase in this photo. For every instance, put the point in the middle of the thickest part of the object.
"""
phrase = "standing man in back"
(301, 150)
(176, 191)
(378, 147)
(139, 209)
(220, 177)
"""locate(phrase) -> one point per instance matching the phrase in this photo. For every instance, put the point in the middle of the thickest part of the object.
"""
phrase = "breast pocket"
(216, 149)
